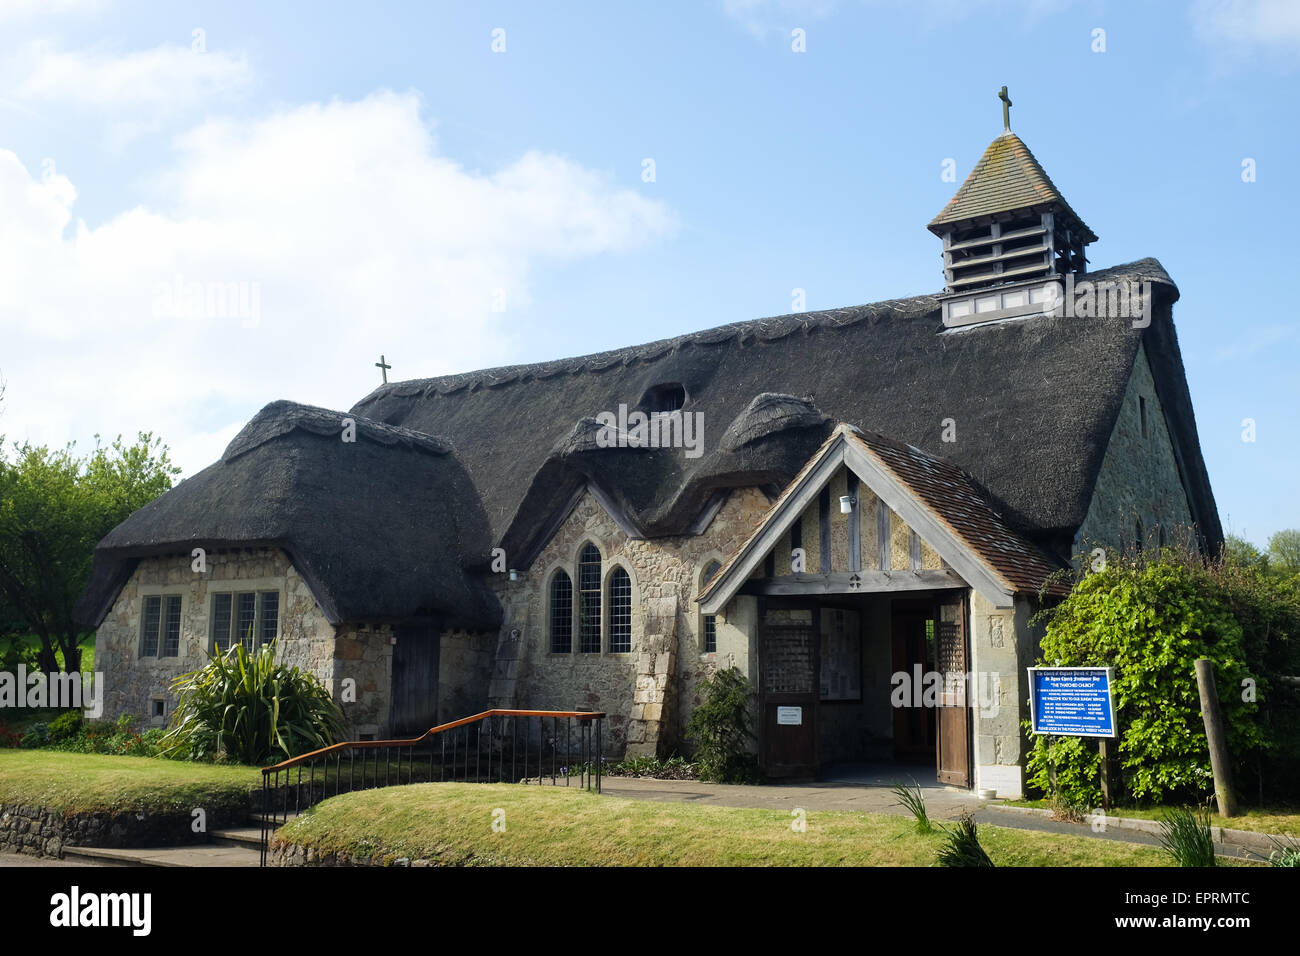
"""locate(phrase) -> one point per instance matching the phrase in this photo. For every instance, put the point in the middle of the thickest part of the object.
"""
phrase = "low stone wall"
(291, 854)
(39, 831)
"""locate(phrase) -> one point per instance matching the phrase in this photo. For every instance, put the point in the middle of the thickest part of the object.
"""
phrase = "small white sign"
(789, 716)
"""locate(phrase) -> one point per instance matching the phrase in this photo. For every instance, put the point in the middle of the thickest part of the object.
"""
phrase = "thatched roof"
(1034, 401)
(382, 527)
(446, 468)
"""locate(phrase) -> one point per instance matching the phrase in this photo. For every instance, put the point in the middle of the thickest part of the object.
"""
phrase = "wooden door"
(913, 655)
(413, 706)
(788, 691)
(952, 657)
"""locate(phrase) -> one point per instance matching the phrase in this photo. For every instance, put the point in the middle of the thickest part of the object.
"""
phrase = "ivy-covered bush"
(1151, 620)
(721, 728)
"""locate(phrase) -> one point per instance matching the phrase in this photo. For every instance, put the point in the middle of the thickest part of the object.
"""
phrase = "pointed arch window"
(620, 612)
(561, 614)
(589, 600)
(709, 627)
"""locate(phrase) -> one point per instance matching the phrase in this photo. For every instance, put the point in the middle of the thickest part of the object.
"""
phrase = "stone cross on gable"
(1006, 108)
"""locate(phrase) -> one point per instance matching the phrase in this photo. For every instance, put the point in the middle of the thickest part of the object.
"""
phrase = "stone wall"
(1003, 646)
(650, 691)
(39, 831)
(465, 663)
(361, 677)
(132, 682)
(1138, 478)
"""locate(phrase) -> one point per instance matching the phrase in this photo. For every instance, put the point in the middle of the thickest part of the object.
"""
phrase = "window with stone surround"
(709, 622)
(160, 625)
(620, 612)
(561, 614)
(250, 617)
(589, 600)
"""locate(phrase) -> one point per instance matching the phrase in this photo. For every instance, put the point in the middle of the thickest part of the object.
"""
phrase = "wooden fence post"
(1213, 715)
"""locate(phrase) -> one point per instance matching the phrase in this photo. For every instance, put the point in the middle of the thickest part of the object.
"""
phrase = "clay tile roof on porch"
(953, 497)
(956, 499)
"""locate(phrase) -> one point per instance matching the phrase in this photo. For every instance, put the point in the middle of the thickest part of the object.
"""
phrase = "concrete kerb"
(1242, 844)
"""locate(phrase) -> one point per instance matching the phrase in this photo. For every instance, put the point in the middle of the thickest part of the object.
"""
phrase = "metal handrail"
(589, 764)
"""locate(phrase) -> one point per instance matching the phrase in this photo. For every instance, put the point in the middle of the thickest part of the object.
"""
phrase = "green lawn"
(1279, 821)
(84, 782)
(452, 824)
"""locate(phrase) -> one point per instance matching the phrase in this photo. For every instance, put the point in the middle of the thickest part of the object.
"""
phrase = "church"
(836, 503)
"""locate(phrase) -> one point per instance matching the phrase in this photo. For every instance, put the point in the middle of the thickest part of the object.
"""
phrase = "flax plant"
(250, 708)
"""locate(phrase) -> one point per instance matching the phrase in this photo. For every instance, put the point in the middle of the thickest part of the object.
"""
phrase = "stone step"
(201, 855)
(238, 836)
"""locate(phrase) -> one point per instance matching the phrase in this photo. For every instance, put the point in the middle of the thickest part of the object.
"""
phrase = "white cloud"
(340, 222)
(1246, 24)
(761, 17)
(167, 78)
(12, 10)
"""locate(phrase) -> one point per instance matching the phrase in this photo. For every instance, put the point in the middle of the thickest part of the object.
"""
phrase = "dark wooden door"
(913, 655)
(952, 656)
(788, 691)
(414, 701)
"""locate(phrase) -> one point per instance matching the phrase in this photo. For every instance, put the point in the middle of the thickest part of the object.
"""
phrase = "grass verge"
(1279, 821)
(451, 824)
(96, 782)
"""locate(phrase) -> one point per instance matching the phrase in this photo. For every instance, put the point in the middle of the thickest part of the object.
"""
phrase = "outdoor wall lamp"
(514, 574)
(846, 504)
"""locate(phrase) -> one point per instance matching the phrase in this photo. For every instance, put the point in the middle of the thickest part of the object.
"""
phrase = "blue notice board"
(1071, 701)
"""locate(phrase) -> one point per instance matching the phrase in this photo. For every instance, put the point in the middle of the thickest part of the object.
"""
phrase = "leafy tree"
(54, 509)
(1284, 550)
(1239, 551)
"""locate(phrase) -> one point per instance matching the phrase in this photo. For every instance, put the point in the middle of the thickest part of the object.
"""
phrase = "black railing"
(496, 746)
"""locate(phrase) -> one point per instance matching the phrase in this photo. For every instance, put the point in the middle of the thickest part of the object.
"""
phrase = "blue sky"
(375, 178)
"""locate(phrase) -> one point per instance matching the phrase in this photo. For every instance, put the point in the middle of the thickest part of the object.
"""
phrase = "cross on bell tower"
(1007, 234)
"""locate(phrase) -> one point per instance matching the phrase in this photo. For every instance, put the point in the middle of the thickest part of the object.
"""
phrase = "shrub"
(1151, 621)
(250, 709)
(961, 846)
(720, 728)
(118, 737)
(1286, 852)
(38, 735)
(672, 768)
(65, 726)
(1187, 837)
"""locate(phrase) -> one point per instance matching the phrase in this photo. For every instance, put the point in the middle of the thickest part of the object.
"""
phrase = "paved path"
(941, 803)
(870, 790)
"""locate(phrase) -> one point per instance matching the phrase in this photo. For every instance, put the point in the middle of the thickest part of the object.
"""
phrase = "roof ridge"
(281, 417)
(767, 329)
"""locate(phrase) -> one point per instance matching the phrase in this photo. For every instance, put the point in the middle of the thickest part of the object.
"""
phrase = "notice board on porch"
(841, 640)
